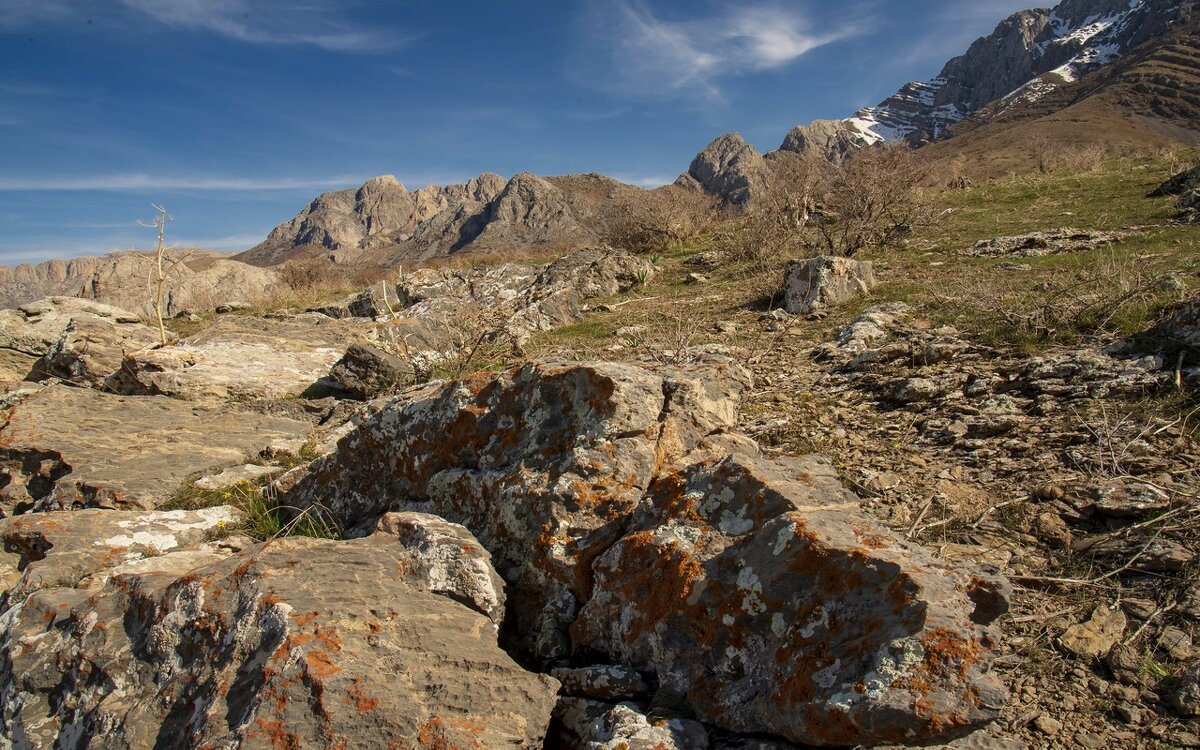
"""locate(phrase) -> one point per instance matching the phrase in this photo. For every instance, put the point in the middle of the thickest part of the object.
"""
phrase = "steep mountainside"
(1107, 74)
(1029, 55)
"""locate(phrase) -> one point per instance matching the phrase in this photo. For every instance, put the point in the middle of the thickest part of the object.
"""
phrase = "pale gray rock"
(70, 447)
(240, 357)
(196, 280)
(816, 283)
(832, 140)
(296, 643)
(1040, 244)
(590, 725)
(446, 559)
(235, 475)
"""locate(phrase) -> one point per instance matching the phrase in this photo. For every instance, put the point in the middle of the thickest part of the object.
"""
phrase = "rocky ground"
(615, 501)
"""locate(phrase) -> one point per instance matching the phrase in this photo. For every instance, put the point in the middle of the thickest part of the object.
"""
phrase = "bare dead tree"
(158, 273)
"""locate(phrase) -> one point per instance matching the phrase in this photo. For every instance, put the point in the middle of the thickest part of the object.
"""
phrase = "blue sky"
(235, 113)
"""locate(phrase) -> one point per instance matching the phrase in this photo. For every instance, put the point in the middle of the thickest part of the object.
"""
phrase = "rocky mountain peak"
(729, 167)
(832, 139)
(1028, 55)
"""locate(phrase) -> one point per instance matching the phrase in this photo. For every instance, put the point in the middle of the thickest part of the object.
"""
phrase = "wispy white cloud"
(316, 23)
(645, 54)
(138, 182)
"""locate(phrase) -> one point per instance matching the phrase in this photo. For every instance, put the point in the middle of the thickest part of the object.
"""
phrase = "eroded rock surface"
(295, 643)
(240, 357)
(75, 340)
(85, 547)
(68, 447)
(753, 590)
(1038, 244)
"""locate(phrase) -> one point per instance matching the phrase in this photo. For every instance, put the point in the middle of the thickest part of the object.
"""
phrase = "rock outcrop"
(816, 283)
(832, 140)
(1043, 243)
(754, 591)
(365, 372)
(728, 168)
(196, 280)
(64, 447)
(75, 340)
(239, 357)
(1185, 185)
(297, 643)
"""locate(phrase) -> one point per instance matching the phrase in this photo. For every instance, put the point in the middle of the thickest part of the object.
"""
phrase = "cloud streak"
(315, 23)
(648, 55)
(133, 182)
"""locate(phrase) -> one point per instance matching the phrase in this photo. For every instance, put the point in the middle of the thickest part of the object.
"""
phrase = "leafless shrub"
(873, 200)
(312, 274)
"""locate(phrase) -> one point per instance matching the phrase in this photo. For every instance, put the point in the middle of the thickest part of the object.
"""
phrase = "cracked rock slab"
(66, 447)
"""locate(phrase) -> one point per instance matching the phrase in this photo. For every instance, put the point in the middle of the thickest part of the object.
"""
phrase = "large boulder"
(75, 340)
(823, 629)
(816, 283)
(63, 447)
(541, 463)
(755, 591)
(295, 643)
(240, 357)
(365, 371)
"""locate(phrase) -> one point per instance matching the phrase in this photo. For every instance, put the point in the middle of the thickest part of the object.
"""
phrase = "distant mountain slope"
(1029, 55)
(1114, 74)
(382, 222)
(197, 279)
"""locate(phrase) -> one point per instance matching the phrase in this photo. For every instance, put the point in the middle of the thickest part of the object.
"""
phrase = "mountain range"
(1106, 74)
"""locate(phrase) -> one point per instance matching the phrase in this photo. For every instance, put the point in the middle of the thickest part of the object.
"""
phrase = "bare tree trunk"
(160, 223)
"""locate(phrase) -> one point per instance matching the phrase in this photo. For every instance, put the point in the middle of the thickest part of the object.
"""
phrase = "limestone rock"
(731, 169)
(446, 559)
(832, 140)
(83, 548)
(365, 371)
(196, 279)
(753, 590)
(233, 476)
(239, 357)
(1185, 698)
(1176, 337)
(566, 450)
(76, 340)
(763, 575)
(606, 682)
(590, 725)
(69, 447)
(1040, 244)
(816, 283)
(297, 643)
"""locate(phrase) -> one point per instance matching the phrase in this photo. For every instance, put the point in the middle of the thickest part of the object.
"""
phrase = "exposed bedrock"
(634, 527)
